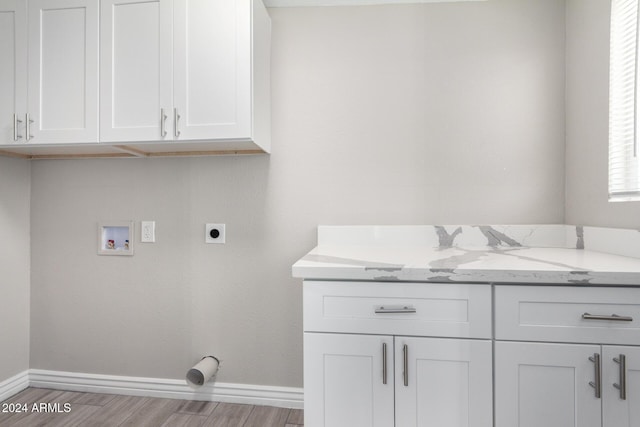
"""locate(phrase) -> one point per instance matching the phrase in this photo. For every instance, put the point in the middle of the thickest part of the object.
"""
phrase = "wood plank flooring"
(70, 409)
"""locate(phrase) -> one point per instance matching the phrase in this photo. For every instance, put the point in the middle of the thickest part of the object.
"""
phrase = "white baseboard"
(284, 397)
(14, 385)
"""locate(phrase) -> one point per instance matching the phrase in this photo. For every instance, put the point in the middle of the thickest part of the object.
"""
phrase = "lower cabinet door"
(348, 380)
(550, 385)
(443, 382)
(621, 386)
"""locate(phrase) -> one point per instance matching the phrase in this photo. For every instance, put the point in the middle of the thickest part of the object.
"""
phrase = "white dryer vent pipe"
(203, 371)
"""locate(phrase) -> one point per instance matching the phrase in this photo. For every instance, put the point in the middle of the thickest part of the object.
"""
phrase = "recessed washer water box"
(115, 238)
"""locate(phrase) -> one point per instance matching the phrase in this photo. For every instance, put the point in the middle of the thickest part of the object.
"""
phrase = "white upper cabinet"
(63, 71)
(188, 70)
(212, 69)
(178, 77)
(13, 70)
(135, 70)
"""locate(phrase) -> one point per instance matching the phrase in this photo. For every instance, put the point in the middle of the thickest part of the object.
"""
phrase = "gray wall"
(14, 266)
(588, 120)
(440, 113)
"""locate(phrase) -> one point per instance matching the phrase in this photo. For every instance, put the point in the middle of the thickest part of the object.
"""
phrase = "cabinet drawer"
(420, 309)
(568, 314)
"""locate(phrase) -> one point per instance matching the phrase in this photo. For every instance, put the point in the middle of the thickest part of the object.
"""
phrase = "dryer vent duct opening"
(203, 371)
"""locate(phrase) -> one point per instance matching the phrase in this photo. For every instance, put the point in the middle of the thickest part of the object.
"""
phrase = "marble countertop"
(554, 254)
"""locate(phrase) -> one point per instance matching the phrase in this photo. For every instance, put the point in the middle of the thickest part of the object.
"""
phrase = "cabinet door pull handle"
(596, 384)
(622, 386)
(384, 363)
(395, 309)
(163, 118)
(176, 118)
(28, 122)
(16, 137)
(614, 317)
(405, 354)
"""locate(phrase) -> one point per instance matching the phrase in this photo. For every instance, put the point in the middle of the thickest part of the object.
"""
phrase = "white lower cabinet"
(565, 385)
(586, 374)
(364, 371)
(424, 355)
(371, 381)
(343, 380)
(539, 384)
(621, 386)
(444, 382)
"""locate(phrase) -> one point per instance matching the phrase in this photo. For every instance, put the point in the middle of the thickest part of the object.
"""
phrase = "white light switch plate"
(148, 232)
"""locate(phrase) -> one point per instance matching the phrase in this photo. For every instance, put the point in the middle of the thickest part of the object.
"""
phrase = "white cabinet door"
(344, 380)
(135, 67)
(63, 71)
(212, 66)
(621, 409)
(538, 384)
(13, 70)
(443, 382)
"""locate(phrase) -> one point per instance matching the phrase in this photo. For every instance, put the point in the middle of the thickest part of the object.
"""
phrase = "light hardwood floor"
(93, 410)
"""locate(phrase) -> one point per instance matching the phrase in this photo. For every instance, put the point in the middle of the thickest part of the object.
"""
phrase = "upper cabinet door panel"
(212, 57)
(63, 70)
(13, 70)
(135, 70)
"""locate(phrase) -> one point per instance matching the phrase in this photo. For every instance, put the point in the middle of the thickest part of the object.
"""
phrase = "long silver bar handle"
(395, 309)
(622, 361)
(163, 119)
(16, 137)
(614, 317)
(384, 363)
(176, 118)
(28, 122)
(405, 373)
(597, 383)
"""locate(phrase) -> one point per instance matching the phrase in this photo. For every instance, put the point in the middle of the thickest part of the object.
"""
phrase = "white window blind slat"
(624, 170)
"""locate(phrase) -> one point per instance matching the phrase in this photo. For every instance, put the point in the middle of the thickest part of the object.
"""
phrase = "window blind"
(624, 170)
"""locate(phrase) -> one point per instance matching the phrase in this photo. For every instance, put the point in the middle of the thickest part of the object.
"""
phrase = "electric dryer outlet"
(215, 233)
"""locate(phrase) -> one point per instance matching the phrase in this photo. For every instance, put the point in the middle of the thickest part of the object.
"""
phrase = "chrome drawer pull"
(622, 361)
(614, 317)
(395, 309)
